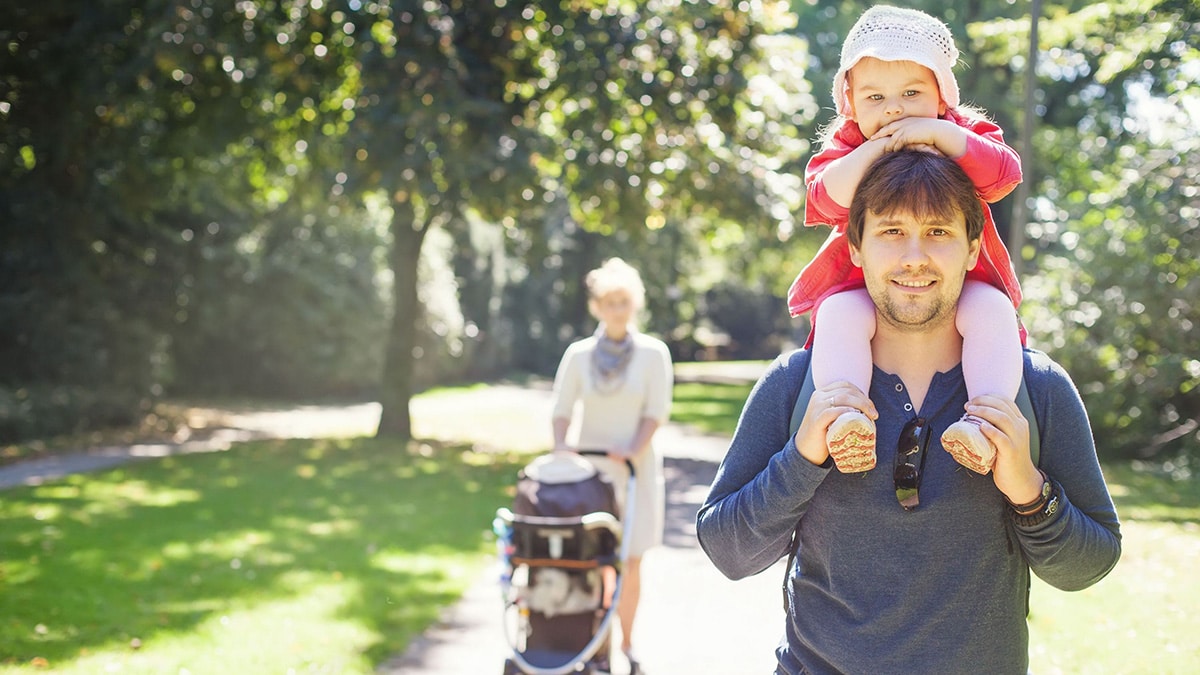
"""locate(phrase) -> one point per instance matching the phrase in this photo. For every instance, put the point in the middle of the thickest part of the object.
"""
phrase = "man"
(940, 583)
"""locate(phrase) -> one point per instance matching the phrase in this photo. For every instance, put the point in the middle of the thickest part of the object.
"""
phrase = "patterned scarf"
(610, 360)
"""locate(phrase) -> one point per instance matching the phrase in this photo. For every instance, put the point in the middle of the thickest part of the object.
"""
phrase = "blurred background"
(347, 199)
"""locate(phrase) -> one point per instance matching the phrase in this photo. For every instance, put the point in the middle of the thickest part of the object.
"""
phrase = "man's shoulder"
(1046, 379)
(787, 371)
(1039, 366)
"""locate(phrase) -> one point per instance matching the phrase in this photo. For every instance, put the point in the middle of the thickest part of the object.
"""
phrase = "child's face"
(882, 92)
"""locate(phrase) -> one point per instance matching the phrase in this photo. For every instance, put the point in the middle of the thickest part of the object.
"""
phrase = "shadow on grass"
(97, 561)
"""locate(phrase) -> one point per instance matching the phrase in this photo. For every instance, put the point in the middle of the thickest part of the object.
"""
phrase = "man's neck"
(916, 356)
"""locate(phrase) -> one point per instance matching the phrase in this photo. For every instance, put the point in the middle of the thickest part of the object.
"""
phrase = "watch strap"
(1051, 507)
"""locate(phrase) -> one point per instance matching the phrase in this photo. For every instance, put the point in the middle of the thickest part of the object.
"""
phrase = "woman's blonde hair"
(616, 275)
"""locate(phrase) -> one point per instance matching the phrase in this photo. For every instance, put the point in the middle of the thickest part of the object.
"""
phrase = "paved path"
(691, 620)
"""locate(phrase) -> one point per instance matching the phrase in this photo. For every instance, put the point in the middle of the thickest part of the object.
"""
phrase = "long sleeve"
(1081, 543)
(568, 382)
(763, 485)
(993, 166)
(819, 207)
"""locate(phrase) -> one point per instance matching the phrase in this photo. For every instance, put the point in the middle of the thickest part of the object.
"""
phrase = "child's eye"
(912, 92)
(875, 97)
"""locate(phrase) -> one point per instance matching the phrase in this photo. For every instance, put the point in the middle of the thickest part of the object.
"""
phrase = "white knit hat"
(897, 34)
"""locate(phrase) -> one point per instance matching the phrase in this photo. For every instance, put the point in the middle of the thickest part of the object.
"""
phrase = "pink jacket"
(992, 166)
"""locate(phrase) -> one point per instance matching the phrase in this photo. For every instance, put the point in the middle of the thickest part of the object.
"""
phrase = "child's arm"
(976, 145)
(832, 183)
(947, 137)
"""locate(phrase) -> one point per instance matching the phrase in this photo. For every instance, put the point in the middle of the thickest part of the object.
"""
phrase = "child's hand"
(913, 132)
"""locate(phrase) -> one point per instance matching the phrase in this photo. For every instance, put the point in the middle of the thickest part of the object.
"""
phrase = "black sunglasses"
(910, 462)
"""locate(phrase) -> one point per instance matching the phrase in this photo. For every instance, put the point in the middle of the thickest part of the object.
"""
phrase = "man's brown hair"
(922, 184)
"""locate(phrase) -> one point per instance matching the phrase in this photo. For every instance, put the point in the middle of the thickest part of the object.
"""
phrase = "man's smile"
(914, 283)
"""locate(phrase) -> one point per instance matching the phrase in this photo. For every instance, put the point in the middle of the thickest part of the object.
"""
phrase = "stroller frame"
(591, 521)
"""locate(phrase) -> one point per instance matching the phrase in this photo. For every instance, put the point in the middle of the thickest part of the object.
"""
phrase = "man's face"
(914, 269)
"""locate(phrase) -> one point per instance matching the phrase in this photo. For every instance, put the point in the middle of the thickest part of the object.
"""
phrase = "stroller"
(562, 549)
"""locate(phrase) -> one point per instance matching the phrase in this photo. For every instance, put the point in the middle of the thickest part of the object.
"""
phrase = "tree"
(1113, 214)
(631, 114)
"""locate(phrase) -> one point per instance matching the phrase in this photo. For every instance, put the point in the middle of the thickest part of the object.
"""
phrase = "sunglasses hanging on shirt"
(910, 462)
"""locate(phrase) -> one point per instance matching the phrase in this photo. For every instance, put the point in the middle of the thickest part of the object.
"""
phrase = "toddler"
(894, 89)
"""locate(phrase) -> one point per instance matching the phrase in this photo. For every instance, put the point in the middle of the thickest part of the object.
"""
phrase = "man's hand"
(923, 133)
(1004, 425)
(825, 406)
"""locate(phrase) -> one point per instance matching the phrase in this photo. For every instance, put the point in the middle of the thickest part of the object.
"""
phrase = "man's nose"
(914, 253)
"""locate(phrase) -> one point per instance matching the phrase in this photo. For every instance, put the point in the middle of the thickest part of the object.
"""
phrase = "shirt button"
(907, 407)
(899, 387)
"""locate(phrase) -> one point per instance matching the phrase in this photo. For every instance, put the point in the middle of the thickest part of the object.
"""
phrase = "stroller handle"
(604, 453)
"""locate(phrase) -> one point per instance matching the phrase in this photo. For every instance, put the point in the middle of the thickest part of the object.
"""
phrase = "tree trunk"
(396, 390)
(1020, 221)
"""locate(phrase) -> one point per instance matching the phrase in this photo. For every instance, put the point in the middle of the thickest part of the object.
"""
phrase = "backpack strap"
(1024, 403)
(1035, 436)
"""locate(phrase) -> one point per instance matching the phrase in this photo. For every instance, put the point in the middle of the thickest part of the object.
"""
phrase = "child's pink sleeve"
(992, 165)
(819, 207)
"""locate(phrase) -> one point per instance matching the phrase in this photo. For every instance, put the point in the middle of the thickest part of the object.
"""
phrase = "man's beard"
(914, 316)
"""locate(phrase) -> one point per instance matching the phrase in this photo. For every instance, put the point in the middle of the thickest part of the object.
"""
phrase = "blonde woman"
(616, 386)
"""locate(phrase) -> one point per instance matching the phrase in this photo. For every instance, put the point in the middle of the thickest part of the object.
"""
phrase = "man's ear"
(856, 256)
(973, 253)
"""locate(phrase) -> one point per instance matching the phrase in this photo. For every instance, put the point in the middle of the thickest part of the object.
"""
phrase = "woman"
(622, 381)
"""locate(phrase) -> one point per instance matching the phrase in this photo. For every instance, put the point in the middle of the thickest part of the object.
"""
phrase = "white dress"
(602, 420)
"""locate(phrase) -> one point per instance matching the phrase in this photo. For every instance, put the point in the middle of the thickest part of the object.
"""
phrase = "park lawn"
(279, 556)
(1141, 617)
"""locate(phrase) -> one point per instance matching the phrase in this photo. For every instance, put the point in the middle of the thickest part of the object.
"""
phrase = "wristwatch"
(1048, 508)
(1043, 496)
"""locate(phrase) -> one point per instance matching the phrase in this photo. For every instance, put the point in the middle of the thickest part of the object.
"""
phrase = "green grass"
(324, 556)
(713, 408)
(1141, 617)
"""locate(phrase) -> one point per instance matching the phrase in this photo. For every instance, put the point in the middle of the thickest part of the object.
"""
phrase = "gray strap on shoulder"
(1026, 406)
(801, 406)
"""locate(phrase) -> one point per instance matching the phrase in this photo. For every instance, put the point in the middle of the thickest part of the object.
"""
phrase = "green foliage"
(209, 197)
(1114, 222)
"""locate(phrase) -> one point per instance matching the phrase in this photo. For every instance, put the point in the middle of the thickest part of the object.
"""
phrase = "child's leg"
(842, 352)
(991, 359)
(842, 342)
(992, 365)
